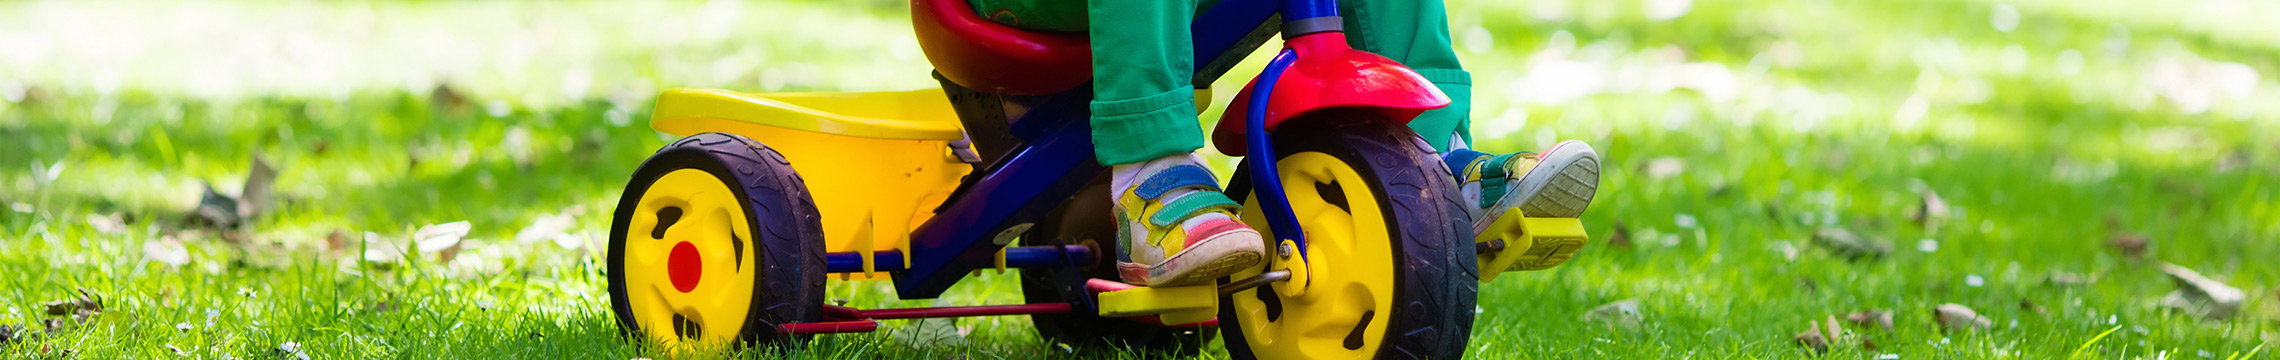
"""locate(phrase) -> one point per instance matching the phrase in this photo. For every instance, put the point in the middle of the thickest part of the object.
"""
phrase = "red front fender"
(1330, 74)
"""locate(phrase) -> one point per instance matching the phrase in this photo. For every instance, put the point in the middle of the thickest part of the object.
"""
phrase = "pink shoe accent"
(1213, 228)
(1132, 273)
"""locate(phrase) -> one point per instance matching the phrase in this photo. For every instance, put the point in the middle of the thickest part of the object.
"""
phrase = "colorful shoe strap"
(1463, 163)
(1190, 205)
(1174, 178)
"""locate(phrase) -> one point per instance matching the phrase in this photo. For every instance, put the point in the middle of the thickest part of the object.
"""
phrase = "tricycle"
(729, 233)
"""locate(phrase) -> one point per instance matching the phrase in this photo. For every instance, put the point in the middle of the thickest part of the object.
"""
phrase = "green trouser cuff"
(1141, 129)
(1436, 125)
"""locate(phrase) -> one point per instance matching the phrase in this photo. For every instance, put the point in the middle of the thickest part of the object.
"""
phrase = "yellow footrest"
(1518, 243)
(1174, 305)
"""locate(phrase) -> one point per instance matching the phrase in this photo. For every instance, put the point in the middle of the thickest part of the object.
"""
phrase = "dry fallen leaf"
(551, 227)
(2201, 296)
(1845, 243)
(443, 97)
(2066, 279)
(86, 303)
(1930, 209)
(1959, 317)
(2031, 307)
(167, 250)
(74, 312)
(434, 238)
(1621, 237)
(378, 250)
(336, 243)
(1813, 339)
(1620, 315)
(1835, 332)
(108, 224)
(2130, 244)
(10, 334)
(254, 199)
(1871, 317)
(215, 210)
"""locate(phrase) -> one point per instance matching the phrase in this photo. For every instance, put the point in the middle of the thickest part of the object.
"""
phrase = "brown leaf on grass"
(2031, 307)
(441, 239)
(86, 302)
(2066, 279)
(254, 199)
(167, 250)
(1621, 237)
(1621, 315)
(1871, 317)
(2233, 160)
(1930, 210)
(10, 334)
(380, 252)
(214, 210)
(336, 243)
(444, 98)
(262, 255)
(1844, 243)
(553, 228)
(1958, 317)
(2200, 296)
(1812, 339)
(1835, 332)
(107, 224)
(2130, 244)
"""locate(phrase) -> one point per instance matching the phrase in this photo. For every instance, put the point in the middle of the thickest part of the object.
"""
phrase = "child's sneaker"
(1558, 182)
(1178, 229)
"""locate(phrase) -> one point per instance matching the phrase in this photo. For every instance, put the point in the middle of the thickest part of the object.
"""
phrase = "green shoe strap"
(1174, 178)
(1190, 205)
(1493, 176)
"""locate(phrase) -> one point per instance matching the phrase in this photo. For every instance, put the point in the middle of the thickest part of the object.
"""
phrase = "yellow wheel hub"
(1348, 299)
(688, 268)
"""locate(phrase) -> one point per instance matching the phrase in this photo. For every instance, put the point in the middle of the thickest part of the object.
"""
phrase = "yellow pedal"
(1174, 305)
(1518, 243)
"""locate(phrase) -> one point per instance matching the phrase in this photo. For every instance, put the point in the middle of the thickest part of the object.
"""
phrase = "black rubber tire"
(1085, 220)
(787, 229)
(1437, 279)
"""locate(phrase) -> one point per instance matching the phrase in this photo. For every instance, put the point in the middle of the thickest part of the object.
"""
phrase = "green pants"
(1143, 58)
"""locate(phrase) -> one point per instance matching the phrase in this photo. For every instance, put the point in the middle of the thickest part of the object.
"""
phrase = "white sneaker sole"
(1561, 185)
(1206, 261)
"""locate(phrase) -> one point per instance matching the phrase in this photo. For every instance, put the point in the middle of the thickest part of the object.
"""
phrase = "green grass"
(1800, 118)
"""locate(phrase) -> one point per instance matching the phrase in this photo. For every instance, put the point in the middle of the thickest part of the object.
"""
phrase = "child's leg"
(1143, 60)
(1416, 33)
(1177, 228)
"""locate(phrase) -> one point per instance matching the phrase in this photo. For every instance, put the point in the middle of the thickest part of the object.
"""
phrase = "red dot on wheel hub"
(684, 267)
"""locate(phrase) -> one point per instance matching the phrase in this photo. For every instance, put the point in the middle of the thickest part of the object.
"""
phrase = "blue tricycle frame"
(1031, 139)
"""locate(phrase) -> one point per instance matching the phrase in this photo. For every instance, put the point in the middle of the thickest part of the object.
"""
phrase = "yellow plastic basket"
(877, 163)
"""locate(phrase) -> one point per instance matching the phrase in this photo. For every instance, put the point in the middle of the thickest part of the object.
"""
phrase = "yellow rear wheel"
(715, 240)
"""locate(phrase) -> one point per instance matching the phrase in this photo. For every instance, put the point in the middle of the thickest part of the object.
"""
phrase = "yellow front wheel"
(1389, 266)
(715, 240)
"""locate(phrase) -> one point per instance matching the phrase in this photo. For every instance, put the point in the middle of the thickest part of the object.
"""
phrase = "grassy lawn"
(1733, 133)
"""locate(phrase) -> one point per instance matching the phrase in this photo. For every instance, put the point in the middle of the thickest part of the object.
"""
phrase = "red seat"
(994, 58)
